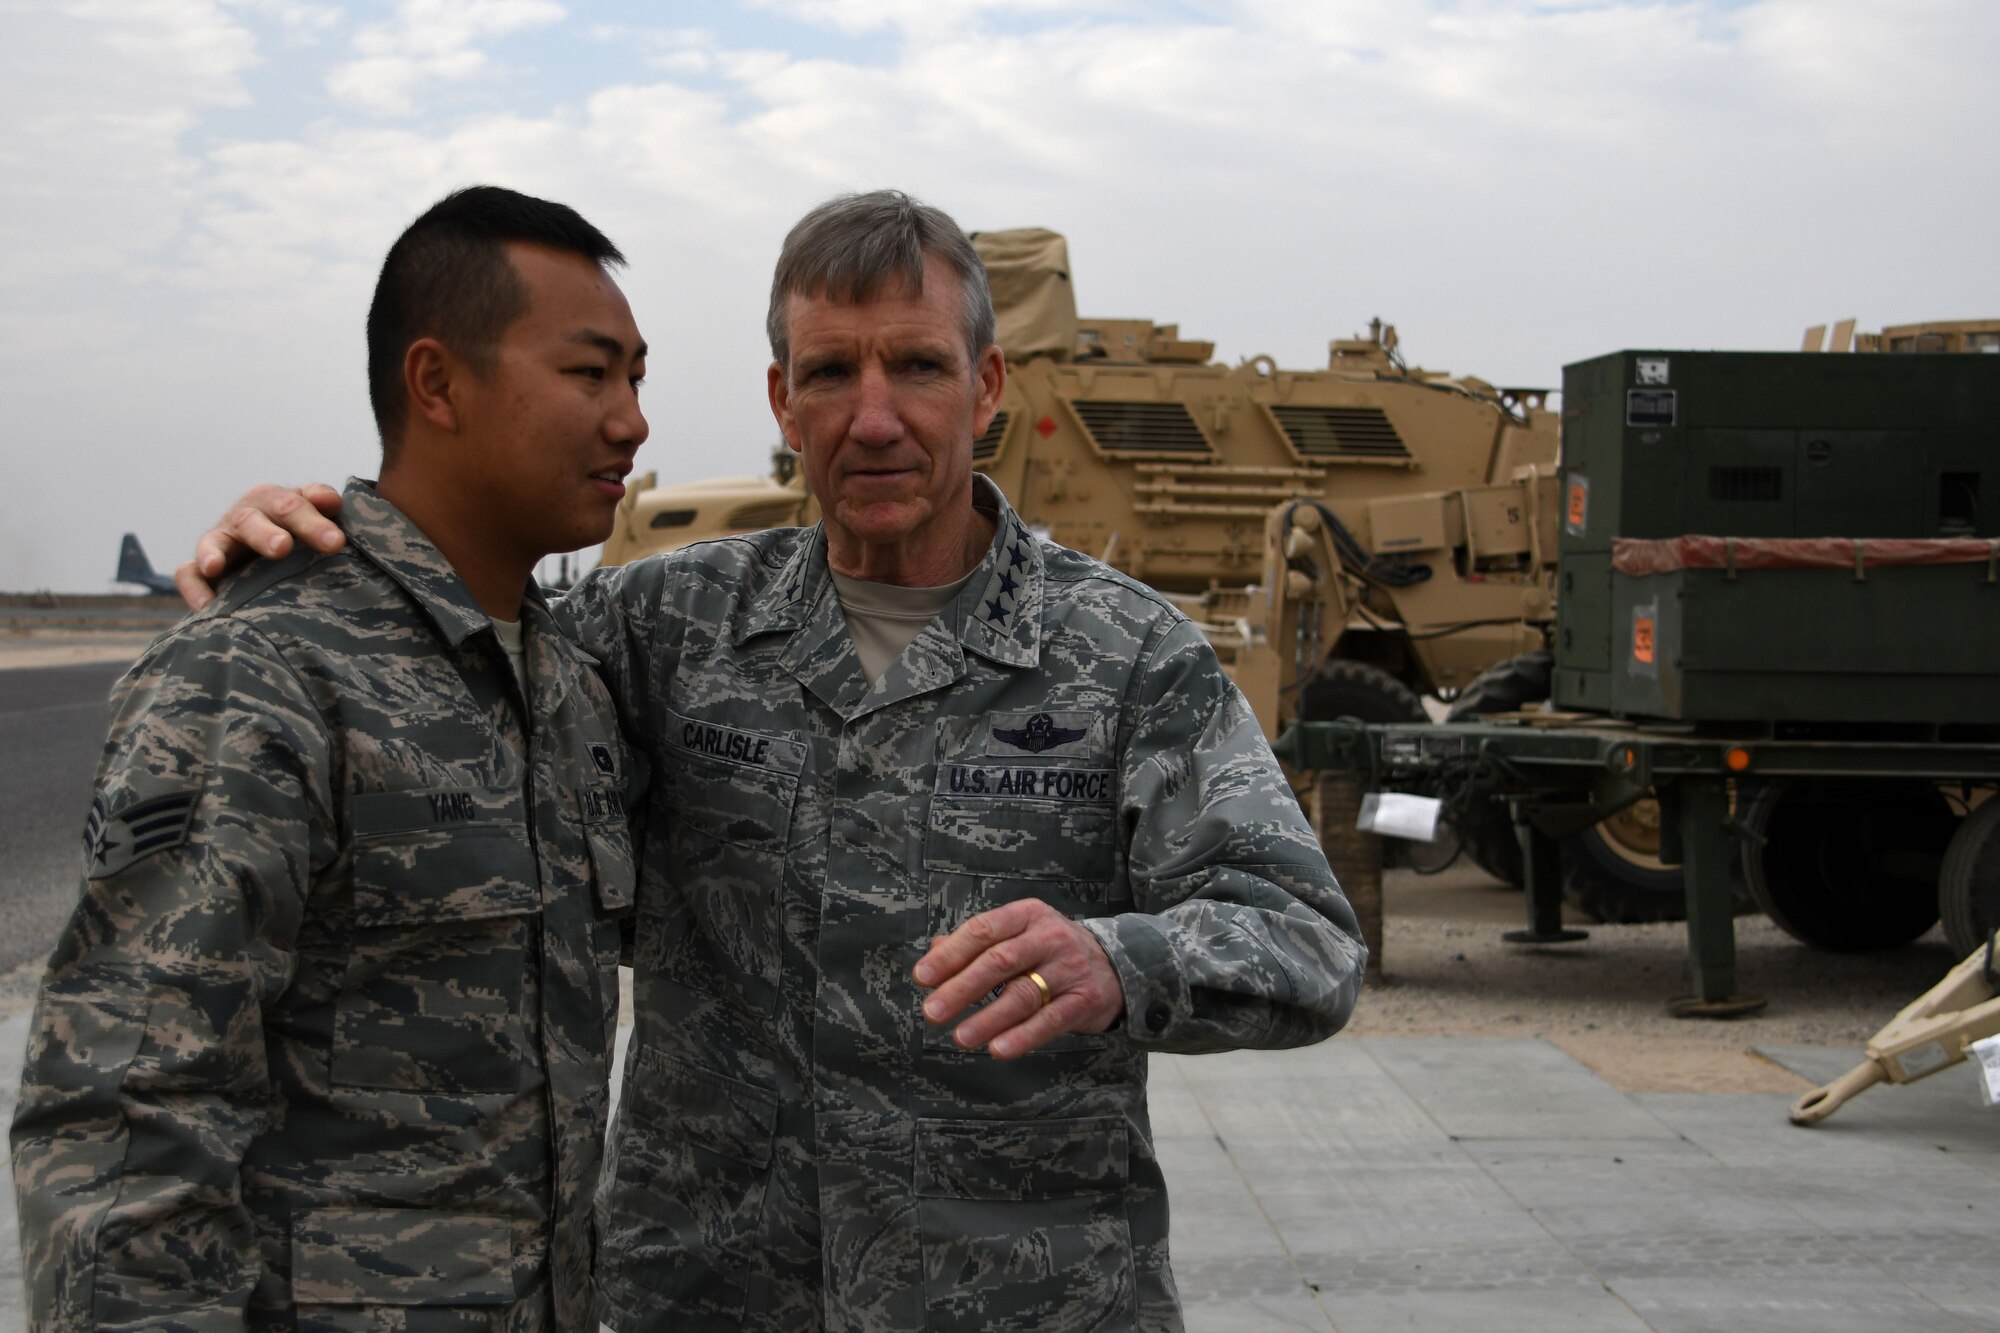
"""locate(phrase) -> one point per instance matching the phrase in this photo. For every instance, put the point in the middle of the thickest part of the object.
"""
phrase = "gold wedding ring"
(1041, 986)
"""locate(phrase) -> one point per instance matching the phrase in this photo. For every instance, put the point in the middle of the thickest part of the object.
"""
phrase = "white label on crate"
(1987, 1053)
(1921, 1060)
(1652, 370)
(1397, 814)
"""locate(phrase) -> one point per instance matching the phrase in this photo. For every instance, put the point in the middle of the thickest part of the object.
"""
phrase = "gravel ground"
(1446, 972)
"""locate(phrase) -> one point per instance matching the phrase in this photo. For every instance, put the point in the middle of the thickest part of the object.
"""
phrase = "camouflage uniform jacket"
(796, 1148)
(324, 1045)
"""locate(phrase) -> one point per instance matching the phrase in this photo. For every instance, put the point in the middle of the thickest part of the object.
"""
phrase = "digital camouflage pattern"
(324, 1045)
(796, 1148)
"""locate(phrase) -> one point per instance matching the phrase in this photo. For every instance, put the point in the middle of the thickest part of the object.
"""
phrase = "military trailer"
(1779, 610)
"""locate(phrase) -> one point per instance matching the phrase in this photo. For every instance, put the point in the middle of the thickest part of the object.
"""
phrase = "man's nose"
(877, 417)
(626, 425)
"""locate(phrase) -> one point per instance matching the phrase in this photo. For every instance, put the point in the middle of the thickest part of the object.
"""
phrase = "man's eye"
(591, 372)
(638, 382)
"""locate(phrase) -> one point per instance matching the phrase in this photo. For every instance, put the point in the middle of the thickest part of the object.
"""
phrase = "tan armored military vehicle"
(1952, 335)
(1350, 537)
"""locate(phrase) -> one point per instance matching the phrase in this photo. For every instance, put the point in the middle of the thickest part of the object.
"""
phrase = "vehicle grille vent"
(1136, 428)
(1752, 484)
(672, 518)
(1342, 432)
(987, 446)
(763, 514)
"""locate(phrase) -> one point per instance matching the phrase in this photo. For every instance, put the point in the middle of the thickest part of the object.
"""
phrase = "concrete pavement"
(1495, 1184)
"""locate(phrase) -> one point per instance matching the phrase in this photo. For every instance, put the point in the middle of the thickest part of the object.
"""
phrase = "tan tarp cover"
(1631, 555)
(1032, 298)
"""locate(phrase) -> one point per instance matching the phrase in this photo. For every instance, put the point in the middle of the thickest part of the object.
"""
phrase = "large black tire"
(1505, 687)
(1969, 882)
(1343, 688)
(1848, 865)
(1612, 871)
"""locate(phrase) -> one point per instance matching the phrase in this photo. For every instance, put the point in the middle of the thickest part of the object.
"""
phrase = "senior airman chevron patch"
(113, 841)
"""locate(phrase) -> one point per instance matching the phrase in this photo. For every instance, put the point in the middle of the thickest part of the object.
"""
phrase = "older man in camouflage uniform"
(918, 720)
(324, 1046)
(911, 762)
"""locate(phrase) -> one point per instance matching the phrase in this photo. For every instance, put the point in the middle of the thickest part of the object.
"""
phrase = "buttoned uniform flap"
(612, 869)
(1022, 1159)
(725, 1115)
(1024, 796)
(734, 784)
(442, 854)
(401, 1256)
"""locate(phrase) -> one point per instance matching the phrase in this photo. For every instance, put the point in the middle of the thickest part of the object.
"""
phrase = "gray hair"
(853, 245)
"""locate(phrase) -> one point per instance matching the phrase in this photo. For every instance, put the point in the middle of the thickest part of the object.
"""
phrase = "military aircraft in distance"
(134, 567)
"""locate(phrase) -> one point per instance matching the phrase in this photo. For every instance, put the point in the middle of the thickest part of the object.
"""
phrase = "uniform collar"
(998, 613)
(386, 537)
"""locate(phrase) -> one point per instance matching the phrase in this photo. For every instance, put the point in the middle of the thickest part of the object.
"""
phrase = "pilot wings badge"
(1040, 733)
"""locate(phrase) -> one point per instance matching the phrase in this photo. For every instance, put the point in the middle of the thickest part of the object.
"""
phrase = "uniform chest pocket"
(733, 794)
(446, 899)
(1024, 839)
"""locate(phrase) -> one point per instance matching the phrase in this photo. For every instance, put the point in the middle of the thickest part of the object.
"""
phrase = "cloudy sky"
(198, 192)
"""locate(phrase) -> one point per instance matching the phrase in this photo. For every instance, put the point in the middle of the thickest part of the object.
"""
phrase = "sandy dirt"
(1446, 972)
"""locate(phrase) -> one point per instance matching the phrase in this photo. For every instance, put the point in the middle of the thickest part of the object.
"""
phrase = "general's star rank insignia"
(112, 842)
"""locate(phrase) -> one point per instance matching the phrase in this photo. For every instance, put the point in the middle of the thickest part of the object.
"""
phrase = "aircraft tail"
(134, 567)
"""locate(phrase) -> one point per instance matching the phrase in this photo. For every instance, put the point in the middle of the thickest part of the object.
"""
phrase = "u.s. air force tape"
(1087, 786)
(113, 840)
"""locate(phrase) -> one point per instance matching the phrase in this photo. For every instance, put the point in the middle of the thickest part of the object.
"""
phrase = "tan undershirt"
(884, 619)
(510, 639)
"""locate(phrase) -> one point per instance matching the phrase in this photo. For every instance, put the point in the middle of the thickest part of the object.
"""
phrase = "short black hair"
(448, 277)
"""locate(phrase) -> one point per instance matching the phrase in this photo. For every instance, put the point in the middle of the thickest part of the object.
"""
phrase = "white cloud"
(183, 275)
(430, 41)
(302, 23)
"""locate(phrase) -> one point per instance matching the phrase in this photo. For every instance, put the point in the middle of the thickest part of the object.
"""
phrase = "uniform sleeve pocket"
(400, 1256)
(1003, 1160)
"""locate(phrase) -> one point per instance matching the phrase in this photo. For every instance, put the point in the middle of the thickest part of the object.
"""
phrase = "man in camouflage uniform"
(324, 1046)
(903, 761)
(1047, 767)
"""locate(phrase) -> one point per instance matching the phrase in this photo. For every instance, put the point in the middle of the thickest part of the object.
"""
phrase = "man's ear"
(990, 372)
(780, 390)
(430, 374)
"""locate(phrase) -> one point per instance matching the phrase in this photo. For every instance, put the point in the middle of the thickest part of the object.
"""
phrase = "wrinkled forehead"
(856, 287)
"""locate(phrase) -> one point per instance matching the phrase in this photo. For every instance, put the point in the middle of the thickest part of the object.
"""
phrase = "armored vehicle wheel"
(1340, 687)
(1848, 866)
(1504, 687)
(1969, 883)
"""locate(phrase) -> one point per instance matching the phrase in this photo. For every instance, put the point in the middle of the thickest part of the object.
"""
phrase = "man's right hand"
(262, 523)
